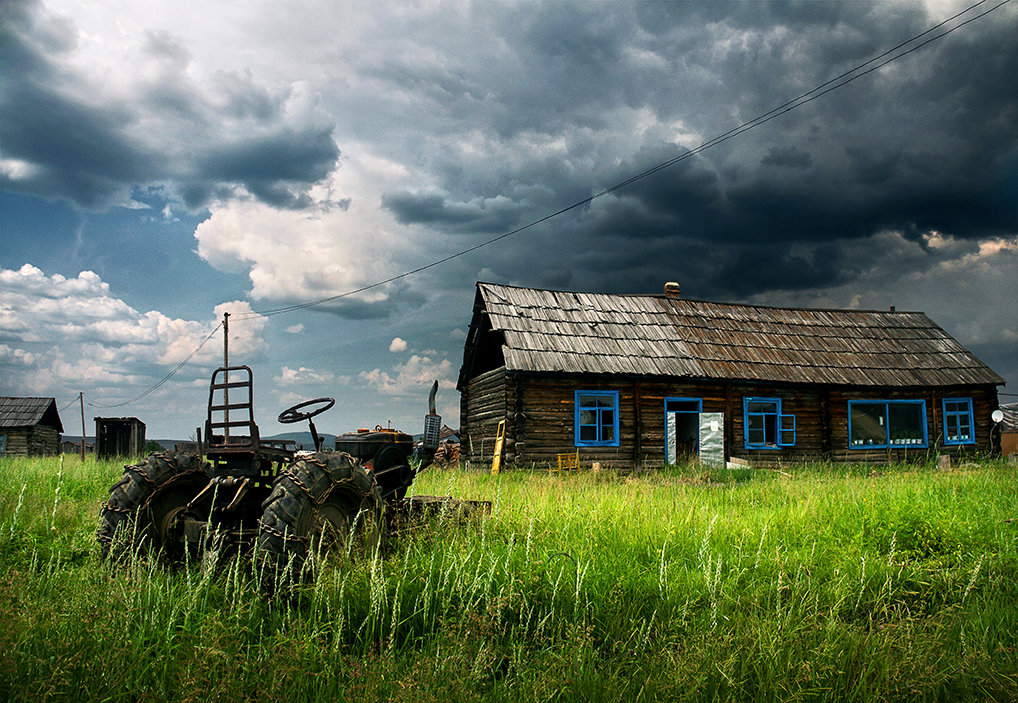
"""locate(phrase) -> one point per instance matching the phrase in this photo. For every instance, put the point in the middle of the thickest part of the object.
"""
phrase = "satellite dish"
(997, 416)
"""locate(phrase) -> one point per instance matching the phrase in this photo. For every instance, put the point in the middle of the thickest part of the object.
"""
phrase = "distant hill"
(304, 440)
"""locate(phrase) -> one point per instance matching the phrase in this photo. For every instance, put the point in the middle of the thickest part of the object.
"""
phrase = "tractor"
(242, 494)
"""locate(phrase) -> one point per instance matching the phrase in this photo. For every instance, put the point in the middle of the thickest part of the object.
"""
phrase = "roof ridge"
(662, 296)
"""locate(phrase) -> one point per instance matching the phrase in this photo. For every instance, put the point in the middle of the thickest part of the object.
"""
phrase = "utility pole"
(81, 399)
(226, 339)
(226, 377)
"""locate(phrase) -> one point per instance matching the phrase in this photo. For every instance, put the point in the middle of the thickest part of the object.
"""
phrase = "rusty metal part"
(241, 491)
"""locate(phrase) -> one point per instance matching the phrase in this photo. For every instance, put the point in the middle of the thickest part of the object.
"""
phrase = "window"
(873, 424)
(765, 425)
(958, 425)
(597, 418)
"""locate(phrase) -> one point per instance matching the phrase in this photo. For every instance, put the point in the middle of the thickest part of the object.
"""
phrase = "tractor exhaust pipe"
(432, 423)
(425, 453)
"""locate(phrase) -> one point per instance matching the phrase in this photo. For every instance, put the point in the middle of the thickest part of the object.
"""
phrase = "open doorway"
(682, 429)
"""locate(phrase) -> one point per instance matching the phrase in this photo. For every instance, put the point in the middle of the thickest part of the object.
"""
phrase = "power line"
(167, 377)
(807, 97)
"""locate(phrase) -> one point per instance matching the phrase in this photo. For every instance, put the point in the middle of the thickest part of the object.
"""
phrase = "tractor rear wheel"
(146, 509)
(324, 504)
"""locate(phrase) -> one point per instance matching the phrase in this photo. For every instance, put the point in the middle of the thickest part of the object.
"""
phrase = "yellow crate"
(566, 462)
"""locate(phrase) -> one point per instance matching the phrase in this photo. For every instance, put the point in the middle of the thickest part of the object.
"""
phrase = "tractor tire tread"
(133, 491)
(298, 493)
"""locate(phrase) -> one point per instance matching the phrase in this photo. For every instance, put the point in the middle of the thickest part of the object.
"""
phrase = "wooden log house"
(629, 380)
(29, 427)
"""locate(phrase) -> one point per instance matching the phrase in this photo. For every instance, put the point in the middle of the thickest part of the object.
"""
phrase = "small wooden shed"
(629, 380)
(1009, 430)
(29, 427)
(119, 436)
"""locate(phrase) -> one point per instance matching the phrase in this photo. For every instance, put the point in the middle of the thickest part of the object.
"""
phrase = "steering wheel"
(295, 414)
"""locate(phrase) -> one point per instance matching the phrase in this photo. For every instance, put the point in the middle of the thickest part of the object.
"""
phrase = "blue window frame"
(596, 418)
(959, 427)
(876, 424)
(765, 426)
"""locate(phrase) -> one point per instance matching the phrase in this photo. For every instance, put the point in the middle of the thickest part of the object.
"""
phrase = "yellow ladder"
(496, 461)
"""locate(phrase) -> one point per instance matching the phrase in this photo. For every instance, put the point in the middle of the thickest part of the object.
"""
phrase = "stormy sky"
(164, 162)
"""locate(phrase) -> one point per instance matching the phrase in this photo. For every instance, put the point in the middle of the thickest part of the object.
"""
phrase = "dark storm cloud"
(506, 113)
(76, 143)
(749, 269)
(276, 168)
(73, 149)
(928, 143)
(787, 157)
(910, 163)
(400, 298)
(495, 215)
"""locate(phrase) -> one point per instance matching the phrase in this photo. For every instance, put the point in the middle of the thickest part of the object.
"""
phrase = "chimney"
(672, 290)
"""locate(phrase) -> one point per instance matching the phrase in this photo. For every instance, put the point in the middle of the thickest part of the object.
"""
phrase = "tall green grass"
(823, 582)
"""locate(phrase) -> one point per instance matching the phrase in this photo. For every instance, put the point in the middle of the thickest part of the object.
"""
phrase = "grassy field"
(819, 583)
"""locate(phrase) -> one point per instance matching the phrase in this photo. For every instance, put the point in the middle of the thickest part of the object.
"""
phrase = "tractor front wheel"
(326, 504)
(147, 507)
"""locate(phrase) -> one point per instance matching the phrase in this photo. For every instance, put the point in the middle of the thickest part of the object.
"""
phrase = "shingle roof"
(560, 331)
(27, 412)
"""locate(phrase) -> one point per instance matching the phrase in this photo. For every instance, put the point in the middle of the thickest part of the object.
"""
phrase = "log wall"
(39, 440)
(483, 403)
(539, 414)
(984, 402)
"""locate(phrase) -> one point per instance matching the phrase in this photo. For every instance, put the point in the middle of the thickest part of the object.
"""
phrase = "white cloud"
(15, 357)
(18, 170)
(398, 345)
(317, 252)
(295, 329)
(966, 287)
(246, 328)
(155, 111)
(412, 377)
(302, 375)
(990, 253)
(73, 333)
